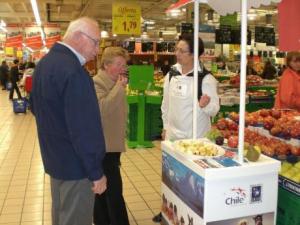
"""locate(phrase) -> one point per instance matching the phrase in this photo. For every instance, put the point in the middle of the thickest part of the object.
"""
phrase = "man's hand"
(204, 101)
(99, 186)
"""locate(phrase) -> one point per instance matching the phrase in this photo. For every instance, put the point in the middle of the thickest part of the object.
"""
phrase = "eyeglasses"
(181, 51)
(95, 41)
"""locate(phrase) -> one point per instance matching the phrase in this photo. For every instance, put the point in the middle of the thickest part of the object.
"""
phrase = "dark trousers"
(14, 87)
(3, 82)
(109, 208)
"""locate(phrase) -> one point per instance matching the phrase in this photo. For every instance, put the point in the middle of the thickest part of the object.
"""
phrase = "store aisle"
(24, 188)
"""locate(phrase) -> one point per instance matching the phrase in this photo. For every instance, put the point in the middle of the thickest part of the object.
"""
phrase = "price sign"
(19, 54)
(126, 18)
(9, 51)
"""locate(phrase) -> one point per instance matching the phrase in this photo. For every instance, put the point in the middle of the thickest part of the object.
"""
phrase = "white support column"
(243, 79)
(196, 62)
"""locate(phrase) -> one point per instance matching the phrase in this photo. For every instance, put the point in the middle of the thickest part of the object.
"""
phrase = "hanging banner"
(33, 37)
(53, 34)
(289, 30)
(126, 19)
(14, 37)
(178, 4)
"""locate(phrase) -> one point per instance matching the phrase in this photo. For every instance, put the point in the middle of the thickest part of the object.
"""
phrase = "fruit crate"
(153, 126)
(132, 122)
(288, 202)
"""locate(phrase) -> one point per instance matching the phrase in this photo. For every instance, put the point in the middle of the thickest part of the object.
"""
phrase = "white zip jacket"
(177, 105)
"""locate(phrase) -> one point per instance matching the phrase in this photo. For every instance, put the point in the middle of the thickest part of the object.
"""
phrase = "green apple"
(297, 165)
(286, 166)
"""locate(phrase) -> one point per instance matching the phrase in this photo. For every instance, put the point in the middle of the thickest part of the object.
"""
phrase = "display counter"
(217, 190)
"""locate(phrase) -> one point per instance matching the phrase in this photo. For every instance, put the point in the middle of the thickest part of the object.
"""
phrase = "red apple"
(222, 124)
(295, 151)
(264, 112)
(233, 141)
(276, 113)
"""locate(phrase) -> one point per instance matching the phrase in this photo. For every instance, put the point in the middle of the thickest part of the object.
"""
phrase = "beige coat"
(113, 108)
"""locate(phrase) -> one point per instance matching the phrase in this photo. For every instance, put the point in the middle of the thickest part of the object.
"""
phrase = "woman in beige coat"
(110, 83)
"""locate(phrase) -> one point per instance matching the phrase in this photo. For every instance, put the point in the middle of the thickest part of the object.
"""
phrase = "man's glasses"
(181, 51)
(96, 42)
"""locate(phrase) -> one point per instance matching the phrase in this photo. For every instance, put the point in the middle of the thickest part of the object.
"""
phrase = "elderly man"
(69, 127)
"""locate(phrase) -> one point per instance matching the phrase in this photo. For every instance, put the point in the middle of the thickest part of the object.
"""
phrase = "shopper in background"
(269, 71)
(165, 68)
(28, 72)
(4, 71)
(288, 94)
(221, 63)
(14, 78)
(281, 69)
(110, 83)
(177, 104)
(65, 106)
(250, 68)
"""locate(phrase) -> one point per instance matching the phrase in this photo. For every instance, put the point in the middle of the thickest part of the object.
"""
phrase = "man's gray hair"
(81, 24)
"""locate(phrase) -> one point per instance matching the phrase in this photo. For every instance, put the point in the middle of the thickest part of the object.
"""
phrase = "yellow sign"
(126, 19)
(9, 51)
(19, 54)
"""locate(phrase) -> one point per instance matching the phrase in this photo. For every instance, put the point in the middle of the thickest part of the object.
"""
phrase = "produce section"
(274, 133)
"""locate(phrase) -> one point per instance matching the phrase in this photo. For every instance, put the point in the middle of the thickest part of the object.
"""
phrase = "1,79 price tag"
(126, 19)
(129, 25)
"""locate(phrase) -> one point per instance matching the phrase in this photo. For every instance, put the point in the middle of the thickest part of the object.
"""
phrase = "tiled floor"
(24, 188)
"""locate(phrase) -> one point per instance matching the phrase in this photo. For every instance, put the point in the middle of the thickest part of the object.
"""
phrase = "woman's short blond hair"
(110, 53)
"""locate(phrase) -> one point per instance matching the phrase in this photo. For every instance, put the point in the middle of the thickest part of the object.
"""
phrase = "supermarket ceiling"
(62, 11)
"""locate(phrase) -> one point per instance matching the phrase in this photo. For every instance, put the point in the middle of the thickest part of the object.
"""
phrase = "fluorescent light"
(149, 22)
(175, 12)
(36, 12)
(3, 29)
(104, 34)
(2, 24)
(30, 49)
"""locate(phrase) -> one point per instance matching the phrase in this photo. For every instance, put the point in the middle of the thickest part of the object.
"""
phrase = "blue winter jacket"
(67, 115)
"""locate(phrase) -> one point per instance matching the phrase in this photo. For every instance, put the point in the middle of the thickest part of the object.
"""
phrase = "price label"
(9, 51)
(19, 54)
(126, 19)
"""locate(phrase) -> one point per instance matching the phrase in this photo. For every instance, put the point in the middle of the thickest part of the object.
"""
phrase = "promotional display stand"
(217, 191)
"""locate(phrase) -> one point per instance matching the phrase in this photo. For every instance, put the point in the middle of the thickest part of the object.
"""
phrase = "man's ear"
(78, 36)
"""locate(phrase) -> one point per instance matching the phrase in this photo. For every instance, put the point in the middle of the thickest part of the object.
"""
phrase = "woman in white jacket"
(177, 104)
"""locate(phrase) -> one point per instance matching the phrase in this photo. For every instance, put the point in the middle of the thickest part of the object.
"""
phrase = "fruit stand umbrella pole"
(196, 63)
(243, 65)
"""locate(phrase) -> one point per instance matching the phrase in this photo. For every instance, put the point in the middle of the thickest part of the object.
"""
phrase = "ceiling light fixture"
(104, 34)
(3, 29)
(2, 26)
(36, 12)
(175, 12)
(2, 23)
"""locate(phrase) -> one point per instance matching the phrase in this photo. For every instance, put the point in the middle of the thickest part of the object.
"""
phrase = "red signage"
(33, 36)
(53, 34)
(178, 4)
(14, 36)
(289, 29)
